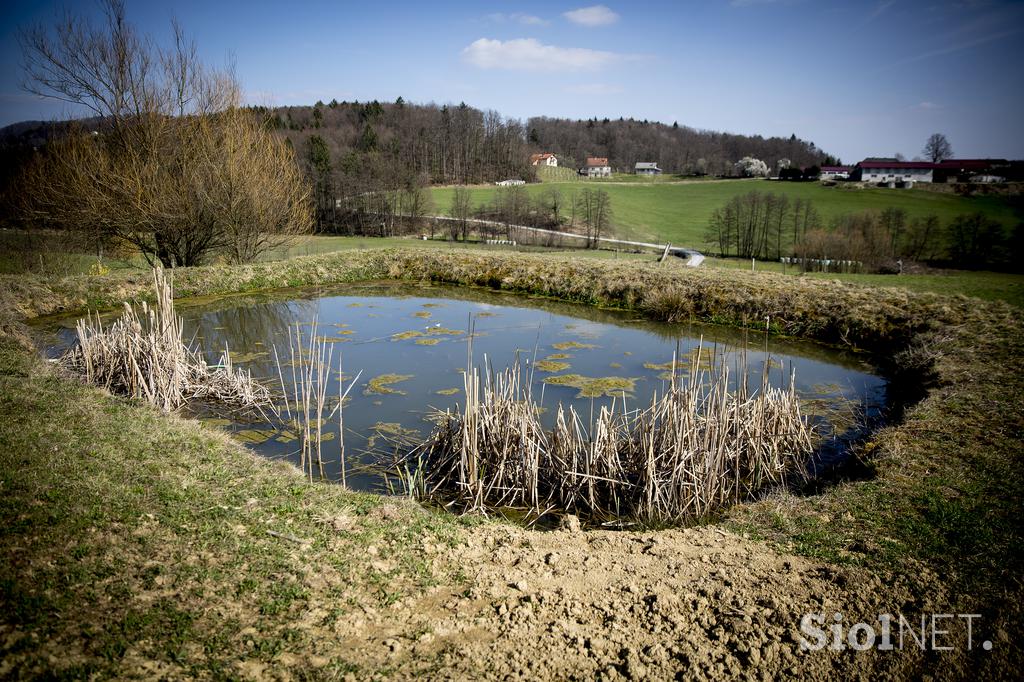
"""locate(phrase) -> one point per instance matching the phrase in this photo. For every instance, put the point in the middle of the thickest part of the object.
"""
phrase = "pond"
(411, 346)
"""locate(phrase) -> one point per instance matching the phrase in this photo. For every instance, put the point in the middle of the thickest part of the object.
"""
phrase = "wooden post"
(664, 254)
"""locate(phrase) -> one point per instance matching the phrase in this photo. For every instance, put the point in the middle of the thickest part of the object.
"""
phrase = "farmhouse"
(890, 171)
(596, 167)
(544, 159)
(965, 170)
(835, 172)
(647, 168)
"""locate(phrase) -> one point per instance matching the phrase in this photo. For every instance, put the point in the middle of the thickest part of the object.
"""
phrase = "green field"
(679, 212)
(562, 174)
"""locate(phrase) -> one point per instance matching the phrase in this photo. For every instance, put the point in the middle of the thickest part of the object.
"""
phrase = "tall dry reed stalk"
(696, 448)
(142, 354)
(311, 364)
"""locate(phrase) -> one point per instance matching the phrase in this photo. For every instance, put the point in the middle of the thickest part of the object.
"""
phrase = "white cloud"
(518, 18)
(527, 54)
(597, 15)
(928, 106)
(594, 89)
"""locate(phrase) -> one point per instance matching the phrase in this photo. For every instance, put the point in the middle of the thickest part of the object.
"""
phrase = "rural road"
(693, 258)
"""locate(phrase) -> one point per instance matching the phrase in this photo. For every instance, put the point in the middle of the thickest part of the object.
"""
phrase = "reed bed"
(142, 354)
(697, 448)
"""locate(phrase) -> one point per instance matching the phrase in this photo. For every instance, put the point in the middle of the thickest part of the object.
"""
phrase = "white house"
(510, 183)
(646, 168)
(885, 171)
(835, 172)
(545, 159)
(597, 167)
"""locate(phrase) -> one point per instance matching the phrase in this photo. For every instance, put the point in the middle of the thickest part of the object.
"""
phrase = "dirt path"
(701, 603)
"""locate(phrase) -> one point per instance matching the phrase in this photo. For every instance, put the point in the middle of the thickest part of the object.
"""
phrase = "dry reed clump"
(696, 449)
(142, 354)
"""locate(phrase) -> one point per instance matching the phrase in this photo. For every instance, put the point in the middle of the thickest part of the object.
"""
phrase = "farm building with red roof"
(596, 167)
(544, 159)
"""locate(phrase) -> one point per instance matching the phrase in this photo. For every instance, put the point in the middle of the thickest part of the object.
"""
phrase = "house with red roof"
(892, 172)
(966, 170)
(596, 167)
(543, 159)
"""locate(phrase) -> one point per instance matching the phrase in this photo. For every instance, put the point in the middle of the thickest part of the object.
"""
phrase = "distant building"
(835, 172)
(510, 183)
(545, 159)
(596, 167)
(885, 171)
(646, 168)
(962, 170)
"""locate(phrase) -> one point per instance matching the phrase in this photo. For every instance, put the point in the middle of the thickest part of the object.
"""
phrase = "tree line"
(760, 225)
(884, 240)
(770, 226)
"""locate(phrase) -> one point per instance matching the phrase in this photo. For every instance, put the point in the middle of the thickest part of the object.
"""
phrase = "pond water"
(410, 343)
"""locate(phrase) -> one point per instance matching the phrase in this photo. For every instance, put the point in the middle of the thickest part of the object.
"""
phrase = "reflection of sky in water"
(363, 320)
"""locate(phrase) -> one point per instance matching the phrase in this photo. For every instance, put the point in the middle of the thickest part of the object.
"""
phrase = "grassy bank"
(680, 212)
(133, 536)
(825, 310)
(123, 521)
(988, 286)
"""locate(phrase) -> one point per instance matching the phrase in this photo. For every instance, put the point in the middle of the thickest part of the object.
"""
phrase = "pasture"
(679, 211)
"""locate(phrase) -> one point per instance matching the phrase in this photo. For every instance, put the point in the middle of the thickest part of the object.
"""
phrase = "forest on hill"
(459, 144)
(676, 149)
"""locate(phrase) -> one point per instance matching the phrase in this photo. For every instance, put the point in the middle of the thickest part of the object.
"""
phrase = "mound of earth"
(694, 604)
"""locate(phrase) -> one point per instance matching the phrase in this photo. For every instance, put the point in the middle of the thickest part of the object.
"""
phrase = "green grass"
(679, 212)
(323, 244)
(562, 174)
(133, 536)
(988, 286)
(311, 245)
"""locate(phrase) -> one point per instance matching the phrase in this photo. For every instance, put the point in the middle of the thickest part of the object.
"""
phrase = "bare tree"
(921, 238)
(601, 216)
(551, 202)
(937, 148)
(595, 210)
(461, 209)
(175, 167)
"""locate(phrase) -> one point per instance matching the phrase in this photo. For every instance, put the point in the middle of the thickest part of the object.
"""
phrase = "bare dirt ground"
(695, 604)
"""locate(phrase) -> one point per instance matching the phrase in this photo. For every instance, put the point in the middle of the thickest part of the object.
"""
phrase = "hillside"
(679, 212)
(676, 148)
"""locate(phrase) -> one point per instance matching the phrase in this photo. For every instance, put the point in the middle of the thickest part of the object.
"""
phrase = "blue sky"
(857, 78)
